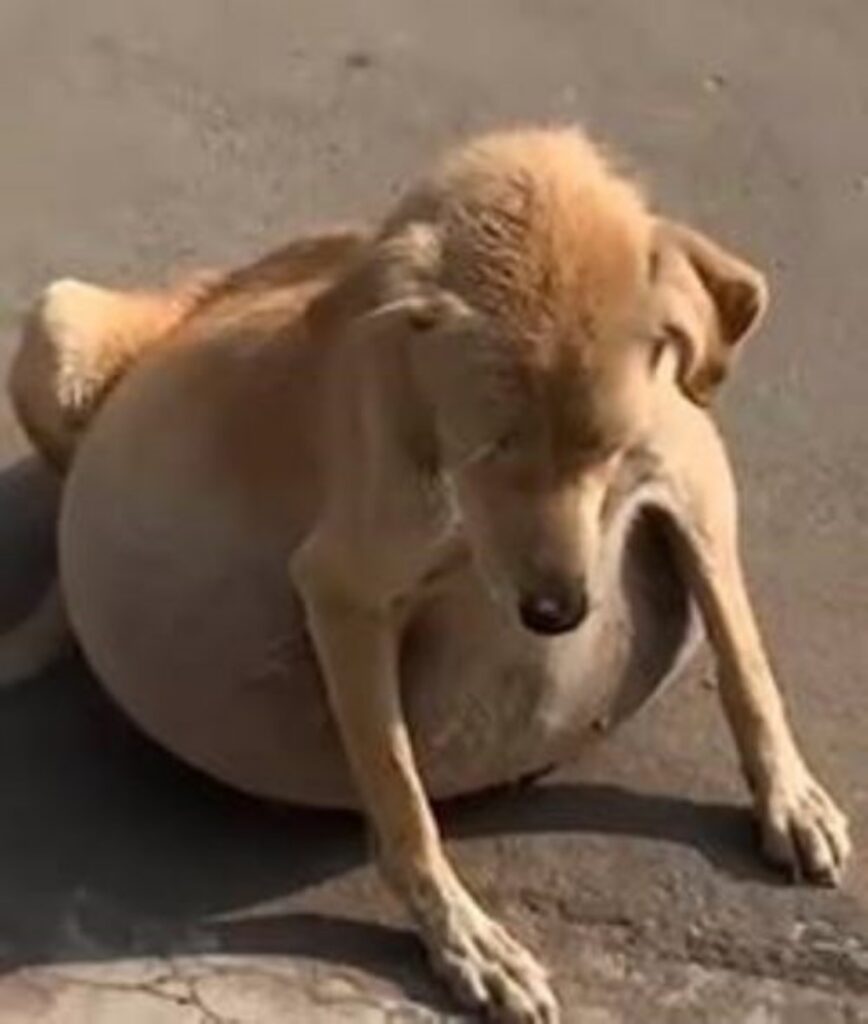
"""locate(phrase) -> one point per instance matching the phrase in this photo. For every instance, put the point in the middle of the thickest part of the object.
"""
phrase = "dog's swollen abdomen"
(174, 556)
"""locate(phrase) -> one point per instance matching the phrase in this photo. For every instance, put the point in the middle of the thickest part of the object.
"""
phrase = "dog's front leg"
(801, 825)
(356, 641)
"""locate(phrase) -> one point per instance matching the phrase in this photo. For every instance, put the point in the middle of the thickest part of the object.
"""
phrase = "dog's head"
(540, 293)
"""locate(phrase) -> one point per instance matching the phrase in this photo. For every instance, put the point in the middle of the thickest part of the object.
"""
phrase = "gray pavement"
(143, 135)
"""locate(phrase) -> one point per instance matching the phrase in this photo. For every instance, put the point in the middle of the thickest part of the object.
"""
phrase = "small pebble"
(359, 60)
(714, 82)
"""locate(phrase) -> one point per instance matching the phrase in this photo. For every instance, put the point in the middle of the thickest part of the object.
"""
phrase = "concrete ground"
(141, 135)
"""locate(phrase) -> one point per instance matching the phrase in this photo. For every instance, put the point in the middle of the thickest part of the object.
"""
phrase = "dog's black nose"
(554, 609)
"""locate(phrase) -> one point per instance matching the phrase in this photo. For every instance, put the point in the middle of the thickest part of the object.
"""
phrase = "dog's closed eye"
(658, 346)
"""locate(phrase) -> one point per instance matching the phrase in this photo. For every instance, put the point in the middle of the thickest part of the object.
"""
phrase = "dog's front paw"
(802, 828)
(487, 969)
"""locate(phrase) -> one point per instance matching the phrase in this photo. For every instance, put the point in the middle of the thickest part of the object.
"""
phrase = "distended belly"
(186, 613)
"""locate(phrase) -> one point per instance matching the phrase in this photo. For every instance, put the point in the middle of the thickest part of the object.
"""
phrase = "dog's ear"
(391, 283)
(390, 298)
(707, 302)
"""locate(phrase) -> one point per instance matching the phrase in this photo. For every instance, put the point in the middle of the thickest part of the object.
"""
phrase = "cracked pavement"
(146, 135)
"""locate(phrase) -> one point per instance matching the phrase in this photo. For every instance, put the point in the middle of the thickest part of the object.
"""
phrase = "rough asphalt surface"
(141, 135)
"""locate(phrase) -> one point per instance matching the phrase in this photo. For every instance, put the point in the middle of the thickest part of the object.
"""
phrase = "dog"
(520, 332)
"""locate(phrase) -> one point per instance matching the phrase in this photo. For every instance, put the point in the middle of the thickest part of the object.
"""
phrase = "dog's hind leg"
(78, 340)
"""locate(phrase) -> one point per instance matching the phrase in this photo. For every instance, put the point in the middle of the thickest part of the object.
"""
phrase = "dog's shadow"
(110, 848)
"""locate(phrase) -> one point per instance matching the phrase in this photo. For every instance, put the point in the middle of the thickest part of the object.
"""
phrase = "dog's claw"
(489, 971)
(803, 829)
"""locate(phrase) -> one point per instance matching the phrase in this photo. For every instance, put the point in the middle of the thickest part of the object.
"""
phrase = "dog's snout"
(555, 608)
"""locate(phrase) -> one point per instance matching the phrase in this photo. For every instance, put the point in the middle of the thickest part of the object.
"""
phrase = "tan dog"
(521, 338)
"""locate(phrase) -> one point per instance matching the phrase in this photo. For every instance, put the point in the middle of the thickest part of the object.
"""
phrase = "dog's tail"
(35, 642)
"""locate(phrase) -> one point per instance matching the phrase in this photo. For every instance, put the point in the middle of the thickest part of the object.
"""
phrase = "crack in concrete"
(388, 1004)
(209, 1014)
(152, 987)
(195, 998)
(191, 995)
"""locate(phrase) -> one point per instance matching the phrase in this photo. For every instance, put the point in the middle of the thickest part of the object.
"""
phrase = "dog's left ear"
(707, 302)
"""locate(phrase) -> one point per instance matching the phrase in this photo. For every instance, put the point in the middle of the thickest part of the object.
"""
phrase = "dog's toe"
(489, 971)
(804, 830)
